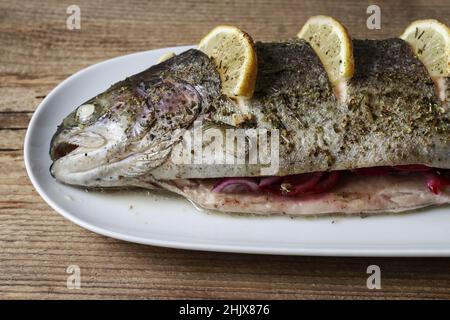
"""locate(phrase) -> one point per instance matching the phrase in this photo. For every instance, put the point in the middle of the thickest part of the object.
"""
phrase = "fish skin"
(392, 116)
(291, 66)
(136, 119)
(292, 95)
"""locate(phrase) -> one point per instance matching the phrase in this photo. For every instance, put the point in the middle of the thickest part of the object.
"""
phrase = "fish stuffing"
(385, 148)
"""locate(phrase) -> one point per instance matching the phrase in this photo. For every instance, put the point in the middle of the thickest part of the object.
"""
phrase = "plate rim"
(350, 252)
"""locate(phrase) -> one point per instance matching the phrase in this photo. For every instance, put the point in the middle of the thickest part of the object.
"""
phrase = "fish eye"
(85, 112)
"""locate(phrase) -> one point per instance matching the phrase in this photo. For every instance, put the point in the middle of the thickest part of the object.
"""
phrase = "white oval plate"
(173, 222)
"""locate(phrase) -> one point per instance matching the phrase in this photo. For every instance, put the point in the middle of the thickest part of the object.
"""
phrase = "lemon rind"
(246, 81)
(430, 24)
(346, 52)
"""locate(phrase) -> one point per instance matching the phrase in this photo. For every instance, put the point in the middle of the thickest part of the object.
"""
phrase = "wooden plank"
(22, 98)
(37, 244)
(11, 140)
(58, 52)
(14, 120)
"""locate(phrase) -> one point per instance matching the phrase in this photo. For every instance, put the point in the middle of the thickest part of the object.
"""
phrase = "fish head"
(131, 128)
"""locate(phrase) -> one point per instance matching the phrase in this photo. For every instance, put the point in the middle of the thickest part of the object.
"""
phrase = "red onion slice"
(301, 183)
(306, 184)
(327, 183)
(268, 181)
(436, 182)
(413, 168)
(235, 185)
(373, 171)
(321, 182)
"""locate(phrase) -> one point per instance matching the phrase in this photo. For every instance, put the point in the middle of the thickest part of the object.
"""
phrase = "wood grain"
(37, 244)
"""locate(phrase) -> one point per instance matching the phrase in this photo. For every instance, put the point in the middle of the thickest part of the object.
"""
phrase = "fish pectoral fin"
(152, 156)
(147, 161)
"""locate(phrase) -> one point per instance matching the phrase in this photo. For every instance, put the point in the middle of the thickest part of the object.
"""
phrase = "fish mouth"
(73, 142)
(62, 149)
(71, 154)
(88, 159)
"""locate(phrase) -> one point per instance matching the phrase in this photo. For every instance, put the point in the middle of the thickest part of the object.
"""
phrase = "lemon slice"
(166, 56)
(332, 43)
(430, 41)
(234, 54)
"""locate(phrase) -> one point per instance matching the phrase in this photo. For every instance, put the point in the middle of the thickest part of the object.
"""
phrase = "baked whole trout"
(293, 148)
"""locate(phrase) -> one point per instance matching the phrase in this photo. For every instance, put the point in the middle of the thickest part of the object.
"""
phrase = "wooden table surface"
(37, 51)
